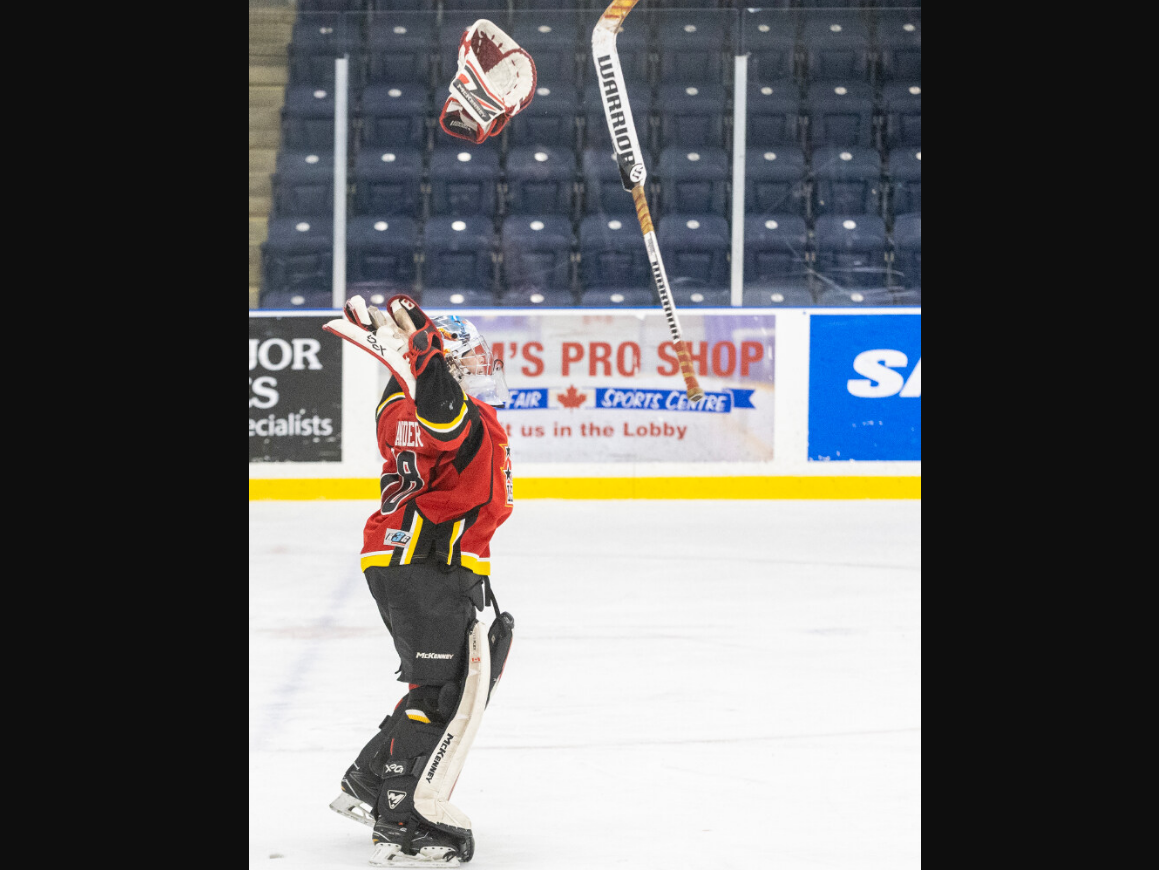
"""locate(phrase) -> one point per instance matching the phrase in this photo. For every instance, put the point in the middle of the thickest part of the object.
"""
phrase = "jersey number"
(408, 480)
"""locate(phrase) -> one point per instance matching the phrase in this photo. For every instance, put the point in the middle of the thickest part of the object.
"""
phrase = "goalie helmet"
(471, 360)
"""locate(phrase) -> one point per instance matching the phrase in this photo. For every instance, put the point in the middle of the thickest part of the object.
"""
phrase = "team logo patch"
(396, 538)
(394, 798)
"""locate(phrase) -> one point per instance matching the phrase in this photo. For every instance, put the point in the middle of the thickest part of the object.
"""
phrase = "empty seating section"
(540, 180)
(692, 181)
(388, 181)
(538, 216)
(846, 181)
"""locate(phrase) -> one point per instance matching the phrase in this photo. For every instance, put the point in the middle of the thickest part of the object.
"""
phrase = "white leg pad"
(437, 781)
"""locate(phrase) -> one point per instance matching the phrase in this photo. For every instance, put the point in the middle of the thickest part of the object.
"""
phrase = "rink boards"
(800, 403)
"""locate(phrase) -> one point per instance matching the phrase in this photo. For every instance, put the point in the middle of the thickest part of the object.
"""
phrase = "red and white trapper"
(495, 80)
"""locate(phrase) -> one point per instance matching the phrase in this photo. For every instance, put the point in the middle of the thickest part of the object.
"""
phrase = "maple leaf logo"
(572, 398)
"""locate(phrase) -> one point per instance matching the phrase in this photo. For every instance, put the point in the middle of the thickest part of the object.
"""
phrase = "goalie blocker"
(495, 80)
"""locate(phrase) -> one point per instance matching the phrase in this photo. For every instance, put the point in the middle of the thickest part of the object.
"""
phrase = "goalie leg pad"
(434, 728)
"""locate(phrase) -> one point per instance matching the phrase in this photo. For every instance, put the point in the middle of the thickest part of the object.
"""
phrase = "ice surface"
(691, 683)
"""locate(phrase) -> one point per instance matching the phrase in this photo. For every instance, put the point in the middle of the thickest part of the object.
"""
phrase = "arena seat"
(540, 180)
(303, 184)
(394, 114)
(905, 179)
(535, 297)
(316, 39)
(695, 296)
(457, 252)
(795, 295)
(774, 114)
(308, 118)
(399, 48)
(551, 37)
(302, 297)
(899, 44)
(693, 180)
(840, 113)
(551, 119)
(612, 253)
(695, 248)
(845, 297)
(771, 39)
(902, 108)
(846, 181)
(297, 253)
(537, 252)
(382, 249)
(388, 181)
(775, 250)
(619, 297)
(691, 114)
(692, 46)
(776, 181)
(851, 250)
(907, 250)
(463, 180)
(835, 46)
(436, 299)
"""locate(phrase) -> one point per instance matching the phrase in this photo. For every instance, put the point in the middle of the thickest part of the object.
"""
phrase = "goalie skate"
(353, 808)
(418, 845)
(359, 794)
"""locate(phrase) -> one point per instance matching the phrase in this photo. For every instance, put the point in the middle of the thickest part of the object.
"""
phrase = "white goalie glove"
(495, 80)
(379, 335)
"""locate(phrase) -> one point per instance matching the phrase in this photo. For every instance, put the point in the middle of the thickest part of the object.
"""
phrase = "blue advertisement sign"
(865, 387)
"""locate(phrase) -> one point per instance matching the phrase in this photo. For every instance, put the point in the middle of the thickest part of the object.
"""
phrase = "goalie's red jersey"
(446, 476)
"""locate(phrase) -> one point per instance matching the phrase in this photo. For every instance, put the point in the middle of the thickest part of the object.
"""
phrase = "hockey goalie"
(495, 81)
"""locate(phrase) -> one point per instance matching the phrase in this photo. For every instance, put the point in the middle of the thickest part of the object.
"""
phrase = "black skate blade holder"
(499, 638)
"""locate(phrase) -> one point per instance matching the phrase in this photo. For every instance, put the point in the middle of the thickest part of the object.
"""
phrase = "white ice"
(692, 684)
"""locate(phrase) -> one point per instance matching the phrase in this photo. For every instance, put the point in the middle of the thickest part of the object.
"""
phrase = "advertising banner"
(865, 387)
(607, 387)
(295, 390)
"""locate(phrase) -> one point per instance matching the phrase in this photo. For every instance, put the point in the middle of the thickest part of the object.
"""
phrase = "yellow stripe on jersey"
(416, 528)
(380, 560)
(418, 716)
(393, 397)
(475, 564)
(444, 428)
(456, 530)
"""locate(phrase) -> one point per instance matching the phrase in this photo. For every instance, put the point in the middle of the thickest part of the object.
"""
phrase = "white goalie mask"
(471, 360)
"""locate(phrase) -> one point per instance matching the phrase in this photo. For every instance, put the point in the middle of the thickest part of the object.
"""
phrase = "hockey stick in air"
(630, 160)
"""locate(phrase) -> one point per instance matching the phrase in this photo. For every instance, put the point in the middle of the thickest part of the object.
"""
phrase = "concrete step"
(268, 73)
(270, 29)
(265, 137)
(255, 265)
(265, 117)
(260, 186)
(266, 96)
(260, 205)
(263, 160)
(259, 229)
